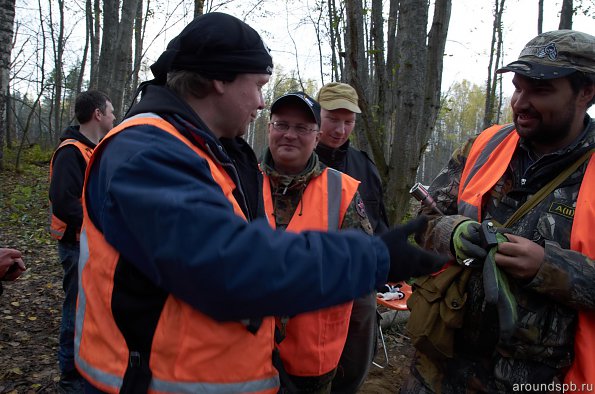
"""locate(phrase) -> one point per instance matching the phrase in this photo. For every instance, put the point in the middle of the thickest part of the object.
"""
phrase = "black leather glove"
(407, 260)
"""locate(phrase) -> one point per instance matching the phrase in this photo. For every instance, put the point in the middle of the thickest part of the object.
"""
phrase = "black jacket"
(66, 185)
(359, 165)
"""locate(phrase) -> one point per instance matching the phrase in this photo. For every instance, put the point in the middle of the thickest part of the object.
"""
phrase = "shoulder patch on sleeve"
(360, 207)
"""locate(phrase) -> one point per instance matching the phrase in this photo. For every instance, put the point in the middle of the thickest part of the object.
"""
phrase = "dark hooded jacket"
(358, 165)
(66, 185)
(155, 201)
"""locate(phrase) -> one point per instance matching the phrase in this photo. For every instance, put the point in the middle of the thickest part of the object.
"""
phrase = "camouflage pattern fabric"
(287, 191)
(541, 347)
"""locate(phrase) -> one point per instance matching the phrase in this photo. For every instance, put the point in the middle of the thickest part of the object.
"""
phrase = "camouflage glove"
(497, 291)
(407, 260)
(466, 243)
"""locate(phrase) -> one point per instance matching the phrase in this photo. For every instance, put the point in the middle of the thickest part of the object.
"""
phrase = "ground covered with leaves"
(30, 308)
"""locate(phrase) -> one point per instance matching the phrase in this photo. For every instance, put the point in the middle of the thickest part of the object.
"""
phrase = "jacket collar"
(283, 183)
(333, 157)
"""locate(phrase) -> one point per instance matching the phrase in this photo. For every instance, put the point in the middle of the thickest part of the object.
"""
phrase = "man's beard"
(549, 134)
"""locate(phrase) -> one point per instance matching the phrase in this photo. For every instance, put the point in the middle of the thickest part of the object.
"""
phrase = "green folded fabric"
(497, 291)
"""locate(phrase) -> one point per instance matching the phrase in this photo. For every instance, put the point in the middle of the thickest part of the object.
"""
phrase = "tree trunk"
(378, 75)
(108, 40)
(436, 45)
(411, 81)
(10, 126)
(493, 64)
(400, 95)
(356, 63)
(58, 46)
(94, 26)
(7, 13)
(139, 35)
(199, 6)
(333, 19)
(389, 94)
(540, 17)
(115, 61)
(122, 66)
(566, 15)
(88, 37)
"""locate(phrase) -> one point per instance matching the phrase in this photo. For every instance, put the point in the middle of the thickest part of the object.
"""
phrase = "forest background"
(422, 92)
(424, 71)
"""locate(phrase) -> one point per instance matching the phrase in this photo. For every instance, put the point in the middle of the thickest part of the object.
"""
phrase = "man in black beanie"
(177, 279)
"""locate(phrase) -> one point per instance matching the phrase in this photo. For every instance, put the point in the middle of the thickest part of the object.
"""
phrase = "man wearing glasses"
(300, 193)
(178, 283)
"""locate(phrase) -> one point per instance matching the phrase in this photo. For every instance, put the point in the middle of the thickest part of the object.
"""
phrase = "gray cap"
(555, 54)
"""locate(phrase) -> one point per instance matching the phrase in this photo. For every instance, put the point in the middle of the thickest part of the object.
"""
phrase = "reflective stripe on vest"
(57, 226)
(314, 340)
(190, 352)
(486, 163)
(488, 159)
(582, 239)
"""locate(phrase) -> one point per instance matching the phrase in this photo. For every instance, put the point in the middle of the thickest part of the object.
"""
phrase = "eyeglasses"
(284, 127)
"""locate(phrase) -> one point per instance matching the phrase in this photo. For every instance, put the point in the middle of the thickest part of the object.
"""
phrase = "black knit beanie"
(216, 46)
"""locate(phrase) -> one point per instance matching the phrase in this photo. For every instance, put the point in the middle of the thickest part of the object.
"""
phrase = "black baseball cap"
(299, 98)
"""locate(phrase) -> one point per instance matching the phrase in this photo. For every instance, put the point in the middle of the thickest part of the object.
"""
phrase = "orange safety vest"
(190, 351)
(582, 239)
(57, 226)
(314, 340)
(488, 159)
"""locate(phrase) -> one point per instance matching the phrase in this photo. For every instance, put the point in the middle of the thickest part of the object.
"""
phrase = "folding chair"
(396, 305)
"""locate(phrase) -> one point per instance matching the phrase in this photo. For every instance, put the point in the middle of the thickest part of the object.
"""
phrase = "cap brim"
(536, 70)
(294, 98)
(340, 104)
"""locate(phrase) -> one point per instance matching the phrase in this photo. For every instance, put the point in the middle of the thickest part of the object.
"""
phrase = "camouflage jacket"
(542, 347)
(287, 191)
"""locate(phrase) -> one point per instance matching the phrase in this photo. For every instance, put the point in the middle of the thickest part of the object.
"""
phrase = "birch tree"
(6, 31)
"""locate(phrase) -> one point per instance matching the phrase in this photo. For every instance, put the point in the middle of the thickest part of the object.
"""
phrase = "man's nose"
(519, 100)
(291, 133)
(339, 128)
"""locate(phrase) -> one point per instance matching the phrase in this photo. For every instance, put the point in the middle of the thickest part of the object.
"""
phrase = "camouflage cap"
(337, 95)
(555, 54)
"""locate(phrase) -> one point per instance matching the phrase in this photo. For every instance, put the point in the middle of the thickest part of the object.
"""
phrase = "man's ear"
(219, 86)
(587, 94)
(97, 114)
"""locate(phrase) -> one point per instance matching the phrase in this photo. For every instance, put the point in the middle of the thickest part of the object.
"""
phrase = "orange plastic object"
(399, 305)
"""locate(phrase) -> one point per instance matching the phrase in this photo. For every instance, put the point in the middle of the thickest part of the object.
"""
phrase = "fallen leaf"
(16, 371)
